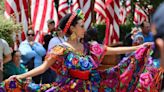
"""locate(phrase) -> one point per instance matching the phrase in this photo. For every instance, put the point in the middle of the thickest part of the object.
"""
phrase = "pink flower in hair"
(96, 48)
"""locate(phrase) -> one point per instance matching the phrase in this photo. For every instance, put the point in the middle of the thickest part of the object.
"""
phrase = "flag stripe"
(18, 9)
(139, 15)
(24, 14)
(63, 8)
(8, 9)
(43, 11)
(43, 16)
(13, 5)
(38, 16)
(34, 11)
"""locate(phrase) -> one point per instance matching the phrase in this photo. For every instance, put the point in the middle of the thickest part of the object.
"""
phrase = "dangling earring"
(73, 36)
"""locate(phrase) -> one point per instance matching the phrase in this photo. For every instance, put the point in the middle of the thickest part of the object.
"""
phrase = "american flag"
(41, 11)
(109, 10)
(85, 5)
(18, 10)
(139, 15)
(69, 6)
(128, 6)
(99, 8)
(63, 8)
(123, 14)
(74, 5)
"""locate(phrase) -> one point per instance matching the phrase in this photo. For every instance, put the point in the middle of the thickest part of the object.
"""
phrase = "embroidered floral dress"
(78, 71)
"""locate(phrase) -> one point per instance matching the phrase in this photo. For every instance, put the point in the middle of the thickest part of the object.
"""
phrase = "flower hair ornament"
(78, 13)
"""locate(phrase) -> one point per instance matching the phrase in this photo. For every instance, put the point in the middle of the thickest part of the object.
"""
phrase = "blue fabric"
(28, 52)
(148, 38)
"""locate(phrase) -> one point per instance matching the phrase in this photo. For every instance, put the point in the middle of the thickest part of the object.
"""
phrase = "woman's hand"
(14, 76)
(147, 44)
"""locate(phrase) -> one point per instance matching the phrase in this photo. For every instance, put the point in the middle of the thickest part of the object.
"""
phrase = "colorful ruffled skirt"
(136, 73)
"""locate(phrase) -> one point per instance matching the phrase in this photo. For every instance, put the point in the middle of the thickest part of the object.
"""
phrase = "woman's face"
(80, 28)
(30, 35)
(17, 57)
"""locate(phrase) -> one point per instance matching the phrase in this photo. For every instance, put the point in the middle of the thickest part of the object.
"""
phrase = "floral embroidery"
(126, 77)
(85, 64)
(78, 62)
(146, 79)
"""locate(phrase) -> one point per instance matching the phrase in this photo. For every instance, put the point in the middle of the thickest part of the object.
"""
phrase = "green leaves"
(7, 27)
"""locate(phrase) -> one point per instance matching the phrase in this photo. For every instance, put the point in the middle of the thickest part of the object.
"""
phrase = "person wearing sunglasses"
(32, 52)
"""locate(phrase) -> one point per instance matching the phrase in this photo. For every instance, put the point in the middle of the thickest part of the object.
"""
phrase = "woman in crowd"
(77, 70)
(14, 67)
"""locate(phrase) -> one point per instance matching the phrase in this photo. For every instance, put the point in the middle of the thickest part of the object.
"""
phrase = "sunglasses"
(30, 34)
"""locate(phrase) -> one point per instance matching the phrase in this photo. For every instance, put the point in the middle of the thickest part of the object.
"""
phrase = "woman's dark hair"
(14, 52)
(64, 21)
(91, 35)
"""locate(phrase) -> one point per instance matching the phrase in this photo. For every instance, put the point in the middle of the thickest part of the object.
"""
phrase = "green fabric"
(11, 69)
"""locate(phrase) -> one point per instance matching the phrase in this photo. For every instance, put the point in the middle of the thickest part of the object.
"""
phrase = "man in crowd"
(55, 37)
(147, 34)
(49, 36)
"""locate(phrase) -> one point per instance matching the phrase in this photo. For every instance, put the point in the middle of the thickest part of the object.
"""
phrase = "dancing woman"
(69, 61)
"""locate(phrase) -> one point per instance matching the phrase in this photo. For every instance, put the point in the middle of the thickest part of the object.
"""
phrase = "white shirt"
(56, 41)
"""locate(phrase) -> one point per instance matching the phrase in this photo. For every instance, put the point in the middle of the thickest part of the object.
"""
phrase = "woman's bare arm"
(38, 70)
(123, 50)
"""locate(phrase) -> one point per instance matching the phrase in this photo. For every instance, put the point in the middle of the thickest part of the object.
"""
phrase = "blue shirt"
(28, 52)
(148, 38)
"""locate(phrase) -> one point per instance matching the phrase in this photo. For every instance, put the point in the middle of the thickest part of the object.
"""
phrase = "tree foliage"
(7, 27)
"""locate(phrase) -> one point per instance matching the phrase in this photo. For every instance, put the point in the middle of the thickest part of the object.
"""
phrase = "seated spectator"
(14, 67)
(137, 40)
